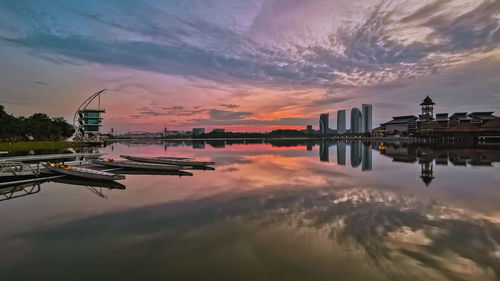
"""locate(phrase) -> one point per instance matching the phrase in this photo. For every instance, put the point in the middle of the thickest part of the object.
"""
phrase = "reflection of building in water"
(356, 148)
(198, 144)
(341, 153)
(323, 151)
(426, 171)
(400, 153)
(367, 158)
(217, 143)
(309, 145)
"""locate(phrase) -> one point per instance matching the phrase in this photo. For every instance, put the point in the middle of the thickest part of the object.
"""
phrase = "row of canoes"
(133, 162)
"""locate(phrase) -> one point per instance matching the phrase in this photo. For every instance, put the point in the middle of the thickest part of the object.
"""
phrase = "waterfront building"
(219, 131)
(427, 109)
(442, 119)
(458, 118)
(323, 123)
(367, 117)
(356, 121)
(309, 129)
(198, 131)
(398, 124)
(481, 117)
(341, 127)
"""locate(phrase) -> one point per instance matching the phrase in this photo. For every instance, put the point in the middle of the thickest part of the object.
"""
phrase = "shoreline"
(34, 145)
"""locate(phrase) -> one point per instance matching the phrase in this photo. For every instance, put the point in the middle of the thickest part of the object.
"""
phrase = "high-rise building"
(309, 129)
(356, 121)
(323, 123)
(367, 117)
(341, 122)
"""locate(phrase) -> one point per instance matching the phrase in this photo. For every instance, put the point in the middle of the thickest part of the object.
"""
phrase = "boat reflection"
(156, 172)
(89, 183)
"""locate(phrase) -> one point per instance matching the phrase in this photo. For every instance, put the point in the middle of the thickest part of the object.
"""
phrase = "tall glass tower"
(341, 122)
(367, 117)
(323, 123)
(356, 121)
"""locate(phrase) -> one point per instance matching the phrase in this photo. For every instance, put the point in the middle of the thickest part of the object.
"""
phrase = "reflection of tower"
(356, 154)
(367, 158)
(341, 153)
(198, 145)
(309, 145)
(426, 172)
(323, 151)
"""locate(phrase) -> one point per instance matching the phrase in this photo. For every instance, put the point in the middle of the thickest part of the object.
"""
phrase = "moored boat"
(135, 165)
(82, 172)
(167, 161)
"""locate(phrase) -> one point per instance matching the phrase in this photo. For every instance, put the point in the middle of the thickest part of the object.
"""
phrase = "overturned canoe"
(136, 165)
(83, 172)
(167, 161)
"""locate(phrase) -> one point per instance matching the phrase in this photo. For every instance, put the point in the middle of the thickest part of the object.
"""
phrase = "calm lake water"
(286, 210)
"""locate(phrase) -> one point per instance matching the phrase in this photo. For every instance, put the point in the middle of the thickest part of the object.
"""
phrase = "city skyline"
(249, 66)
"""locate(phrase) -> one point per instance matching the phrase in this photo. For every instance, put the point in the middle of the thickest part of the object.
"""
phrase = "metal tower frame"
(77, 119)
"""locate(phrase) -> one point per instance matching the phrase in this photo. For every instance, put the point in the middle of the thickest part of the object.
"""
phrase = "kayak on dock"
(61, 168)
(168, 161)
(135, 165)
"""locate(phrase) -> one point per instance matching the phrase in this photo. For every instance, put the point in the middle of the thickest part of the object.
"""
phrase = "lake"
(279, 210)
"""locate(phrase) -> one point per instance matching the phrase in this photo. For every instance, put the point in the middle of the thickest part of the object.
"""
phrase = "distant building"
(341, 122)
(323, 123)
(442, 119)
(309, 129)
(356, 121)
(219, 131)
(198, 131)
(427, 109)
(400, 124)
(481, 117)
(367, 117)
(458, 118)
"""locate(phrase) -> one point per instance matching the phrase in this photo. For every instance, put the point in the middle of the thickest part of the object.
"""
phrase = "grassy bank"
(35, 145)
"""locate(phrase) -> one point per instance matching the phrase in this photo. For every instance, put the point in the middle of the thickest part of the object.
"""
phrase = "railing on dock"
(19, 169)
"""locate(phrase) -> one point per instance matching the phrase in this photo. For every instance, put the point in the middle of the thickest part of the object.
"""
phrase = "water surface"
(286, 210)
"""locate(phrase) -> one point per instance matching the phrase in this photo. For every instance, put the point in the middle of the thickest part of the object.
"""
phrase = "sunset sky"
(247, 65)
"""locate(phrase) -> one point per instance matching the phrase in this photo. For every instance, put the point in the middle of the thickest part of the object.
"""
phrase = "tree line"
(38, 127)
